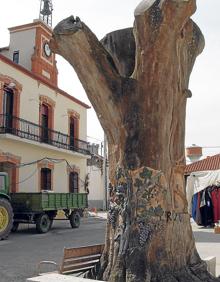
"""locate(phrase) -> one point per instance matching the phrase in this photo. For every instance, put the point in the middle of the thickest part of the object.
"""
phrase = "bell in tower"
(46, 9)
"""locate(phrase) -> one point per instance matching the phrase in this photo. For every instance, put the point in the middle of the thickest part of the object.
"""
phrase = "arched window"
(45, 176)
(46, 118)
(10, 91)
(73, 182)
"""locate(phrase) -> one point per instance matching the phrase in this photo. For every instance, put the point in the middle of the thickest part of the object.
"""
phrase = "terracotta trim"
(47, 100)
(6, 157)
(72, 168)
(17, 90)
(72, 113)
(5, 79)
(44, 100)
(43, 81)
(50, 60)
(10, 157)
(41, 64)
(75, 116)
(45, 164)
(31, 25)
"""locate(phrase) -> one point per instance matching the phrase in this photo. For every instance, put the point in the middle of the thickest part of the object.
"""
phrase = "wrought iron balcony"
(31, 131)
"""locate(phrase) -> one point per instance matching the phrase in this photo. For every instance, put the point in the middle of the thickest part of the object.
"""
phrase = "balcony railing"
(31, 131)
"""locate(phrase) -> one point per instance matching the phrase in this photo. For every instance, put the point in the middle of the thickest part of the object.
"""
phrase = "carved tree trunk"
(138, 86)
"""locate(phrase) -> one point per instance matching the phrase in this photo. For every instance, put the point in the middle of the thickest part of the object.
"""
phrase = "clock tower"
(29, 45)
(43, 60)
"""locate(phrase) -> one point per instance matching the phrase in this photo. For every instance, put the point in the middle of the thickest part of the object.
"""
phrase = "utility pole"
(105, 175)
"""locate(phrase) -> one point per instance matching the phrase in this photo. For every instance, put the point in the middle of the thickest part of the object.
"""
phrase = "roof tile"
(210, 163)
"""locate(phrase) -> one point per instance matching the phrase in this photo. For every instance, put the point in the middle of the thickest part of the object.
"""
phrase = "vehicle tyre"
(15, 226)
(43, 223)
(6, 218)
(74, 219)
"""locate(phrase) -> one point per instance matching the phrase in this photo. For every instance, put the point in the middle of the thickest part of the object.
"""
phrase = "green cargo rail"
(47, 201)
(41, 208)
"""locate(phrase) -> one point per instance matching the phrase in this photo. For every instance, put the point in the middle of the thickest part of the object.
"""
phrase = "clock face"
(47, 50)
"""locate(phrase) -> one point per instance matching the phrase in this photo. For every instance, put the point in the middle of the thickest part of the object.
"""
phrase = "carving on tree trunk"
(137, 81)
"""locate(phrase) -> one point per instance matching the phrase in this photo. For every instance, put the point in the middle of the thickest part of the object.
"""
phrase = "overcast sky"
(102, 16)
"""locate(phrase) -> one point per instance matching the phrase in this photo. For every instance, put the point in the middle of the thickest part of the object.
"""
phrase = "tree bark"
(137, 81)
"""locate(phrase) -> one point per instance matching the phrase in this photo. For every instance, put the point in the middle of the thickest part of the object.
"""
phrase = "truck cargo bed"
(47, 201)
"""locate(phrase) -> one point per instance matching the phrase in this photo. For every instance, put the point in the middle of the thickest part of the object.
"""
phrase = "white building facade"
(42, 128)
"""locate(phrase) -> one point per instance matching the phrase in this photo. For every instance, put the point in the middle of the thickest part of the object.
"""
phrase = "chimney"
(194, 153)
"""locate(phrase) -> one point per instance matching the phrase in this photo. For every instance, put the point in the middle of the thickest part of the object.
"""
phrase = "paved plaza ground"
(207, 242)
(20, 254)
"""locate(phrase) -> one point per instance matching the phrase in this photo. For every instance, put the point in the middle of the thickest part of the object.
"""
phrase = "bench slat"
(80, 265)
(82, 251)
(81, 260)
(72, 271)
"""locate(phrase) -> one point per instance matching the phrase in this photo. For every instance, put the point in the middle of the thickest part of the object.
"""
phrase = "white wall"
(24, 42)
(29, 102)
(96, 187)
(29, 153)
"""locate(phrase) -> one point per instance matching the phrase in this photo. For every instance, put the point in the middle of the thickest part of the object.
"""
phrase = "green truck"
(37, 208)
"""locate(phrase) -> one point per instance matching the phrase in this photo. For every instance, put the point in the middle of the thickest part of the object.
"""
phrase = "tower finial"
(46, 9)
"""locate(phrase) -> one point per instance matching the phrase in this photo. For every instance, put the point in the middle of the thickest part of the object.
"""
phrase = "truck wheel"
(6, 218)
(74, 219)
(43, 223)
(15, 227)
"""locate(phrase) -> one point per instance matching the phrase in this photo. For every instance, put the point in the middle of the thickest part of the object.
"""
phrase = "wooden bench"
(77, 260)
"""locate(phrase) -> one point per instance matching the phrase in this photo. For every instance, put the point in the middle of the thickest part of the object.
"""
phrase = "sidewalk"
(207, 243)
(99, 214)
